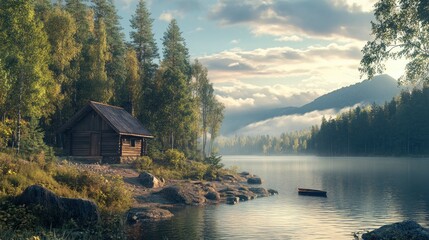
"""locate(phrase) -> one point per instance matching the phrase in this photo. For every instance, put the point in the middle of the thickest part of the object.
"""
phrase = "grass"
(23, 222)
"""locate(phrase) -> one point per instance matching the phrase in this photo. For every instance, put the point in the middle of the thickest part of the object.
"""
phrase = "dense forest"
(54, 58)
(398, 127)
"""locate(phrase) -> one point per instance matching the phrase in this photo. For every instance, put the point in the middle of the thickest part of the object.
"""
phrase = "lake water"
(363, 194)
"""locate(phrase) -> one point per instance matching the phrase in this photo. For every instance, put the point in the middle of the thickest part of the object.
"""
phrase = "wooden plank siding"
(110, 144)
(131, 146)
(80, 143)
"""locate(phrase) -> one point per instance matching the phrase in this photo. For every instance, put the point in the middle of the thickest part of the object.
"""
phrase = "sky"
(269, 53)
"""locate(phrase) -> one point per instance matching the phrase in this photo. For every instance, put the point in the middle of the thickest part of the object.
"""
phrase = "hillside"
(378, 90)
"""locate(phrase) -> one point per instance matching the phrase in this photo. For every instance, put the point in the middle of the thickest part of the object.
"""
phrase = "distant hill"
(378, 90)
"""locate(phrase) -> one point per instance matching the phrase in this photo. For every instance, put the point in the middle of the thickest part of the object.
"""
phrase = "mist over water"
(363, 193)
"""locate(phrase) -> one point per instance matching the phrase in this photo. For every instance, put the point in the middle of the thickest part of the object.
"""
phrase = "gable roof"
(120, 120)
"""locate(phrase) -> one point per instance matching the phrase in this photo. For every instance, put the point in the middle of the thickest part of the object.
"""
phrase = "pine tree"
(115, 66)
(176, 105)
(142, 40)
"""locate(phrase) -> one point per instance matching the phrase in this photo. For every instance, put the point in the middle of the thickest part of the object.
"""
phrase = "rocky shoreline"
(154, 197)
(229, 189)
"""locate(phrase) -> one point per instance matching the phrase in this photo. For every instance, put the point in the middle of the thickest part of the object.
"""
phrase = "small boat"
(311, 192)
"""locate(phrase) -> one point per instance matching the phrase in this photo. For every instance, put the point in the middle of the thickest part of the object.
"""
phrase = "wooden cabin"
(104, 132)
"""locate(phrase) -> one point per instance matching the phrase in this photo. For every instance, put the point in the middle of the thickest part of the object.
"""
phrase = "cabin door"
(95, 144)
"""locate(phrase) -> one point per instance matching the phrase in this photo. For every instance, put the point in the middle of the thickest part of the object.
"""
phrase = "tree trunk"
(18, 126)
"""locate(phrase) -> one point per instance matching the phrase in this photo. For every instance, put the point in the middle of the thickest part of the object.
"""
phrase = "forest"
(55, 57)
(397, 128)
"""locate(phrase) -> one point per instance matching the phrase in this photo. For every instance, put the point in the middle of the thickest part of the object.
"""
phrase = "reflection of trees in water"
(386, 188)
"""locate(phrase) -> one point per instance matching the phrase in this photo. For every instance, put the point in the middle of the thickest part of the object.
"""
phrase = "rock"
(148, 214)
(213, 195)
(406, 230)
(254, 180)
(58, 210)
(150, 181)
(232, 200)
(183, 194)
(272, 191)
(244, 174)
(260, 192)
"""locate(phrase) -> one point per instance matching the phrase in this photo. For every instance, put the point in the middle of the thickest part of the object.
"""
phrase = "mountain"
(377, 90)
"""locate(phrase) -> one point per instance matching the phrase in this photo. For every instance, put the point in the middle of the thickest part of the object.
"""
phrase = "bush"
(214, 161)
(175, 158)
(142, 163)
(195, 170)
(109, 193)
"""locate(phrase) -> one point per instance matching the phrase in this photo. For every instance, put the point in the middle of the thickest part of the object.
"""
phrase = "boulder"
(148, 214)
(254, 180)
(406, 230)
(150, 181)
(232, 200)
(58, 210)
(272, 191)
(183, 194)
(213, 195)
(260, 192)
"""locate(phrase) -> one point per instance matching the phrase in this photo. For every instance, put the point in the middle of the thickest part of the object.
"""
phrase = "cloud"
(322, 18)
(293, 38)
(329, 66)
(278, 125)
(240, 94)
(231, 102)
(167, 16)
(235, 41)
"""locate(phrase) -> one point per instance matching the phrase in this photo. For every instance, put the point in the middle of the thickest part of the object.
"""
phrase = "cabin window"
(133, 142)
(125, 141)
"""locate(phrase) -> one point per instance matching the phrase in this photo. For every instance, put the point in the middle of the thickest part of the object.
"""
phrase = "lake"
(363, 194)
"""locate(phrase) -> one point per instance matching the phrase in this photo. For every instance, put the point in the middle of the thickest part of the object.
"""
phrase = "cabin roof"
(120, 120)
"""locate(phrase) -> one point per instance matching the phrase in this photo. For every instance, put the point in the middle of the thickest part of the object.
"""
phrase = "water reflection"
(362, 193)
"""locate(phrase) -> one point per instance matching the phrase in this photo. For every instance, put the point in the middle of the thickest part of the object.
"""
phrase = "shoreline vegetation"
(124, 197)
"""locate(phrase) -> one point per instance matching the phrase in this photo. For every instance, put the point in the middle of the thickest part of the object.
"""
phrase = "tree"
(115, 65)
(400, 30)
(131, 89)
(175, 52)
(215, 119)
(176, 115)
(143, 42)
(25, 50)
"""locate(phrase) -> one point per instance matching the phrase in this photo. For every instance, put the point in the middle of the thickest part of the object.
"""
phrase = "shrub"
(214, 161)
(108, 192)
(143, 163)
(175, 158)
(195, 170)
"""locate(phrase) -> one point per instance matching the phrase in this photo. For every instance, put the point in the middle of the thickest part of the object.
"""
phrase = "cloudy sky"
(269, 53)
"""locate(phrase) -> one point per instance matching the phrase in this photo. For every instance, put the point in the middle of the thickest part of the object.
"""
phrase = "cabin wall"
(131, 146)
(92, 136)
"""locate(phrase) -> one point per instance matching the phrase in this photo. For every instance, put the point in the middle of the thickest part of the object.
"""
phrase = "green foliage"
(214, 161)
(400, 30)
(397, 128)
(143, 163)
(5, 133)
(175, 158)
(16, 218)
(108, 192)
(195, 170)
(32, 139)
(22, 222)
